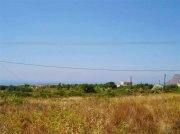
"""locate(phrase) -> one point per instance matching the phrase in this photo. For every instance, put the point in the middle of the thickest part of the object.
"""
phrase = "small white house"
(124, 84)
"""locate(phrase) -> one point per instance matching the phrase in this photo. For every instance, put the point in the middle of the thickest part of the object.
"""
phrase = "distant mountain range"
(175, 80)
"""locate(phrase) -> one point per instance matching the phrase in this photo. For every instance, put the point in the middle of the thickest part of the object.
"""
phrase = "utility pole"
(131, 83)
(164, 82)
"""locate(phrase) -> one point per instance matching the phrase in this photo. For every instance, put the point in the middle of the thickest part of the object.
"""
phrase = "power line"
(94, 43)
(92, 69)
(11, 72)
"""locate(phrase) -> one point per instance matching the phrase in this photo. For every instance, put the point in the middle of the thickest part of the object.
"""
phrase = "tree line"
(106, 89)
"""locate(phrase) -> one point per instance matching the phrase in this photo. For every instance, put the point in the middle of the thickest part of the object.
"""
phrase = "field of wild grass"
(151, 114)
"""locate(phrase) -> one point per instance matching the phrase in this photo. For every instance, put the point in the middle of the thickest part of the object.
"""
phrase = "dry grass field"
(151, 114)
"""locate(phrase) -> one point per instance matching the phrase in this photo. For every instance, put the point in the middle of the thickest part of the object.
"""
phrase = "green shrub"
(27, 89)
(2, 93)
(171, 88)
(62, 93)
(111, 93)
(18, 100)
(124, 91)
(45, 94)
(88, 88)
(12, 88)
(75, 93)
(99, 89)
(3, 87)
(177, 90)
(110, 85)
(22, 94)
(13, 99)
(143, 86)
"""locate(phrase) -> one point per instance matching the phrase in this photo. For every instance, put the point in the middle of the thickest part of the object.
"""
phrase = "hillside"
(174, 80)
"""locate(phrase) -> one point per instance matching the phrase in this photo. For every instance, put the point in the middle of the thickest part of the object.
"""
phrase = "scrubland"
(149, 114)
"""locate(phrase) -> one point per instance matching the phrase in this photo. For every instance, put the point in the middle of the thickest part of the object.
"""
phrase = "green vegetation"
(65, 90)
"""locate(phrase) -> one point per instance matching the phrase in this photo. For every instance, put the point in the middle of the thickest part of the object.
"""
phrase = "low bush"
(171, 88)
(13, 99)
(17, 100)
(2, 87)
(62, 93)
(111, 93)
(123, 91)
(45, 94)
(75, 93)
(88, 88)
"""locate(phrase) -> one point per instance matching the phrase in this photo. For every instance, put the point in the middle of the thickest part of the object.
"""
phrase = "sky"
(113, 34)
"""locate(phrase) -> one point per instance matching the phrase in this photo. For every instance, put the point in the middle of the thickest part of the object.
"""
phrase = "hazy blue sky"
(88, 33)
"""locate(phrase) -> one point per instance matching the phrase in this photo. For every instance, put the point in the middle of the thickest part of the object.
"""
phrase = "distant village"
(174, 81)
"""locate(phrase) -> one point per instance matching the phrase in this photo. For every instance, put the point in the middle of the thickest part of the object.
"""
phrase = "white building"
(125, 84)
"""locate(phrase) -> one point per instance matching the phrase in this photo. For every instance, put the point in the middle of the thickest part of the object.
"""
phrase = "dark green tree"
(110, 85)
